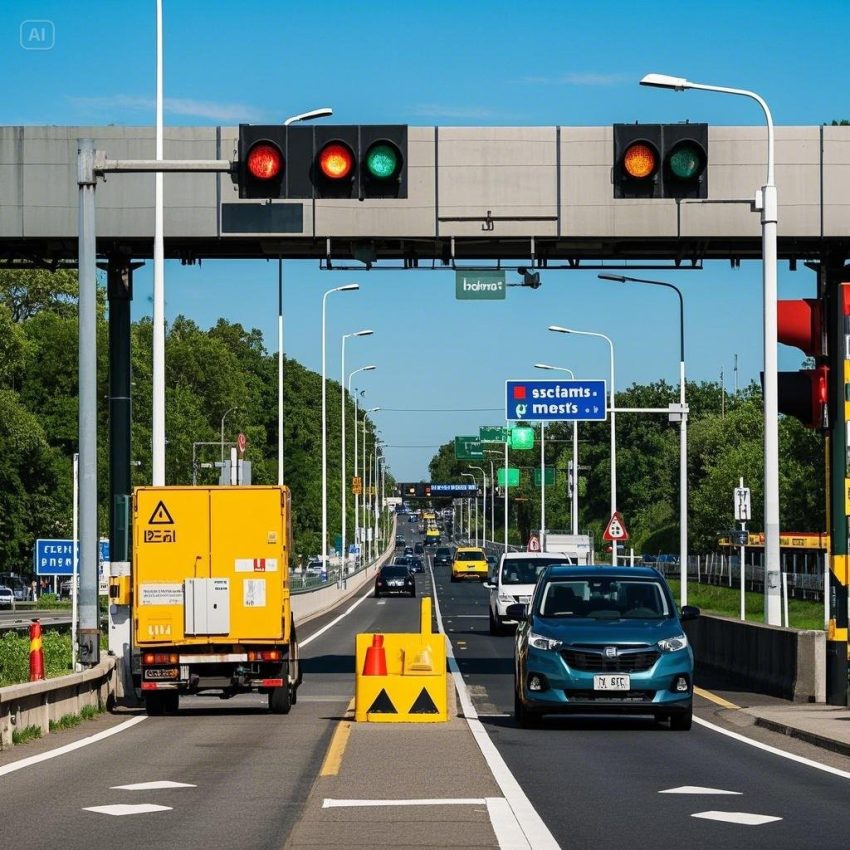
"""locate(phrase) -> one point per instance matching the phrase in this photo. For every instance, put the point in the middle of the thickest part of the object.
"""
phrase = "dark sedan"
(395, 578)
(415, 565)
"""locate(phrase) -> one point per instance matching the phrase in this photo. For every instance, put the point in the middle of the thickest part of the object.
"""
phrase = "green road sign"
(473, 285)
(468, 448)
(549, 476)
(493, 434)
(513, 476)
(522, 437)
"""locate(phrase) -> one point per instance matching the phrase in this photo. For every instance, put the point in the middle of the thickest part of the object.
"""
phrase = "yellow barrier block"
(401, 678)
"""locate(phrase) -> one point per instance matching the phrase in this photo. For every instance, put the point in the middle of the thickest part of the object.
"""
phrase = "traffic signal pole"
(832, 273)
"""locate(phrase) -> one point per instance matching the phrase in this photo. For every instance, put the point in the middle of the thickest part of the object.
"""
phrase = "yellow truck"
(210, 595)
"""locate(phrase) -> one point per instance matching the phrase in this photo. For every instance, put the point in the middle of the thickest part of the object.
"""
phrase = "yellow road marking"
(333, 757)
(715, 699)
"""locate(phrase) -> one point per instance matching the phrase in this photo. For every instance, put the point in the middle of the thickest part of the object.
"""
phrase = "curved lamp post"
(767, 202)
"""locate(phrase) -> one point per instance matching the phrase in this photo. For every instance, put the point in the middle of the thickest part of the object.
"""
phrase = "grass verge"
(28, 733)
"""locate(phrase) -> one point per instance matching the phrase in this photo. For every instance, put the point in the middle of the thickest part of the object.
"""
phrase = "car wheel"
(280, 700)
(495, 625)
(377, 594)
(525, 718)
(412, 594)
(681, 721)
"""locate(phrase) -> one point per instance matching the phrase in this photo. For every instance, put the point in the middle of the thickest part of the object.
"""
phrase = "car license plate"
(611, 683)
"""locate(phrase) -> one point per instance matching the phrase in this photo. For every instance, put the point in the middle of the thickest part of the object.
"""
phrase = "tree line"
(207, 372)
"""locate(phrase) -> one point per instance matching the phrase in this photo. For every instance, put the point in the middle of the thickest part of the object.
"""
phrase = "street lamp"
(469, 508)
(363, 528)
(484, 507)
(226, 412)
(322, 112)
(357, 539)
(767, 202)
(574, 482)
(683, 431)
(349, 287)
(342, 494)
(559, 329)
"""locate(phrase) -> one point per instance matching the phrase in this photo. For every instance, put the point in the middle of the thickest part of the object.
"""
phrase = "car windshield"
(394, 571)
(526, 570)
(470, 555)
(442, 551)
(604, 599)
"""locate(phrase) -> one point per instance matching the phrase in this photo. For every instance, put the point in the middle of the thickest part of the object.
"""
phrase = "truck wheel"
(171, 701)
(154, 705)
(279, 700)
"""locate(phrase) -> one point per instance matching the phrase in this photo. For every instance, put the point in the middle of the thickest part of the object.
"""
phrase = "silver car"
(7, 597)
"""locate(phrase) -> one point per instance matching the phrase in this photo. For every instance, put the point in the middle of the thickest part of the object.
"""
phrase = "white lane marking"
(152, 786)
(536, 833)
(744, 818)
(697, 789)
(60, 751)
(125, 809)
(330, 803)
(471, 617)
(382, 602)
(777, 752)
(332, 623)
(508, 831)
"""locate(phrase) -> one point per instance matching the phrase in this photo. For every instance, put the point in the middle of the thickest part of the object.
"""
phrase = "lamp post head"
(349, 287)
(665, 81)
(618, 278)
(559, 329)
(365, 332)
(367, 369)
(543, 366)
(321, 112)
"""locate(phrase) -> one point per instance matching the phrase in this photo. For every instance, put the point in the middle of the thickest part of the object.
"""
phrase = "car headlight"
(503, 597)
(673, 644)
(539, 641)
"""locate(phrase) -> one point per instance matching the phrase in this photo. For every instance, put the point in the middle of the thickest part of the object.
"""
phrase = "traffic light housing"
(305, 162)
(804, 394)
(660, 161)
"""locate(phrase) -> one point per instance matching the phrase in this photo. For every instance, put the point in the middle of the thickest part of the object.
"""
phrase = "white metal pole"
(324, 437)
(613, 453)
(542, 487)
(506, 496)
(357, 539)
(280, 371)
(158, 375)
(574, 504)
(75, 562)
(492, 505)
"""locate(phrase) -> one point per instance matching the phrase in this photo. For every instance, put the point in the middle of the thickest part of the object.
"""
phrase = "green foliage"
(66, 721)
(15, 656)
(28, 733)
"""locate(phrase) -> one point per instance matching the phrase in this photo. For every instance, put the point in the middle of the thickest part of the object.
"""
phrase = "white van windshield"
(526, 570)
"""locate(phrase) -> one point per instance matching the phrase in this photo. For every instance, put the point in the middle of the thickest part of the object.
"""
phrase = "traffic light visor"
(383, 161)
(265, 161)
(336, 161)
(686, 161)
(640, 161)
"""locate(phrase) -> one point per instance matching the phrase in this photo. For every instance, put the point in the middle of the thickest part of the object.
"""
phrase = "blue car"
(602, 640)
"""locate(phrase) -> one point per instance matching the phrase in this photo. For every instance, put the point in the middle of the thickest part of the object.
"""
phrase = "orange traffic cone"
(36, 652)
(376, 658)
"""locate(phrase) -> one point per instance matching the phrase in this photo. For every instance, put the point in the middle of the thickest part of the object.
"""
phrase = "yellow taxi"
(469, 562)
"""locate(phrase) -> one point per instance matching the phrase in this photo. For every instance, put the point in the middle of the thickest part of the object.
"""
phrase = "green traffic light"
(686, 162)
(382, 161)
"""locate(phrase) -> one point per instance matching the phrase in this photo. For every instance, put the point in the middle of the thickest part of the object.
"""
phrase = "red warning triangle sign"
(616, 529)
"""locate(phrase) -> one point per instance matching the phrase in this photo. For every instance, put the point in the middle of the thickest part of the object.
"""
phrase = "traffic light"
(804, 394)
(351, 161)
(660, 161)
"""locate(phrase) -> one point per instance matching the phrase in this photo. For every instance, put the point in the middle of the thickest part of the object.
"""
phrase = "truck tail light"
(265, 655)
(160, 658)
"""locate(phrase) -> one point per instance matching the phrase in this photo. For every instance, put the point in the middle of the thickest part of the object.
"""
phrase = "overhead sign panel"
(473, 285)
(454, 490)
(468, 448)
(493, 434)
(555, 401)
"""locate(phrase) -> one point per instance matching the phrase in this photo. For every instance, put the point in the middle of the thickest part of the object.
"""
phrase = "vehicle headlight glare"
(504, 597)
(542, 642)
(673, 644)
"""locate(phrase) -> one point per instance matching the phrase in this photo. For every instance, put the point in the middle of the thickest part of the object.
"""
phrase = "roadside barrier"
(401, 678)
(36, 652)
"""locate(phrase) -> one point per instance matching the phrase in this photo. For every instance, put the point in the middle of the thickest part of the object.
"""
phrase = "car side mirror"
(689, 612)
(517, 611)
(488, 585)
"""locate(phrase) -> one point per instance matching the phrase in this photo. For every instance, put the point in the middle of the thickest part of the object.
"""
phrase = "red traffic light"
(265, 161)
(805, 395)
(799, 323)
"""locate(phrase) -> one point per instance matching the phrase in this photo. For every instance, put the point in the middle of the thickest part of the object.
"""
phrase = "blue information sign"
(56, 557)
(555, 401)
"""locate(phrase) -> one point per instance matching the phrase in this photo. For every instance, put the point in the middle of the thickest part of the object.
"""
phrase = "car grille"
(620, 697)
(627, 660)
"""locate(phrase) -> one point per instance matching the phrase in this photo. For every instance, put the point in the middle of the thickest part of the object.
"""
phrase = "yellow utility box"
(401, 678)
(210, 592)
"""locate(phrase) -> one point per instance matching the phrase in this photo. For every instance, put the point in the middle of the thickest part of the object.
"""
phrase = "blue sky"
(448, 63)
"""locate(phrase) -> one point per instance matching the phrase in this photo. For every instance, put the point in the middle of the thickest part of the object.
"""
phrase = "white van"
(513, 583)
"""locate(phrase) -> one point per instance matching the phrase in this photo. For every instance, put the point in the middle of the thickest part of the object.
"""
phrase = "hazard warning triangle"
(160, 515)
(382, 704)
(616, 529)
(424, 704)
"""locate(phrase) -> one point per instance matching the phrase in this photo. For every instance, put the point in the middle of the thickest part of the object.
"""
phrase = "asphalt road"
(607, 781)
(244, 776)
